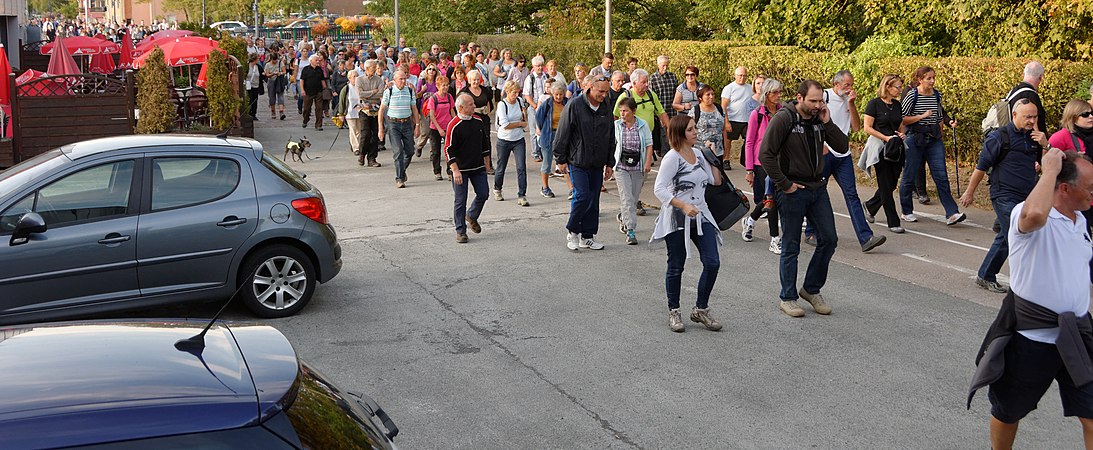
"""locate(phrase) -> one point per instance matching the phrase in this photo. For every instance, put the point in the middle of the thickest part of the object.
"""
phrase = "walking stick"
(956, 155)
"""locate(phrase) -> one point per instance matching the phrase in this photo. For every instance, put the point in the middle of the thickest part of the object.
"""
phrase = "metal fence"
(299, 34)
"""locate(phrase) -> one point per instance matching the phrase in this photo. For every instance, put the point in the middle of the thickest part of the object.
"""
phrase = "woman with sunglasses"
(1076, 135)
(425, 89)
(883, 122)
(519, 73)
(687, 96)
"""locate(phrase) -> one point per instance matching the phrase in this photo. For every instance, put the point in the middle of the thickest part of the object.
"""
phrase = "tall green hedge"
(157, 113)
(970, 85)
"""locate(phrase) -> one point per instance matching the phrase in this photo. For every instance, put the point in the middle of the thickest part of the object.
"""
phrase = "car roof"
(78, 383)
(96, 146)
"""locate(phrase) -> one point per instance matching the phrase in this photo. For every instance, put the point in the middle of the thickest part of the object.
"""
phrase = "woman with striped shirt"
(923, 114)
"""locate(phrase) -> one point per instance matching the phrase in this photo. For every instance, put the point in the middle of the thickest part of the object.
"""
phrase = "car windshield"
(19, 174)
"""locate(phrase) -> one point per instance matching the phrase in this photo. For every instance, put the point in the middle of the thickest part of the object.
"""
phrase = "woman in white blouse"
(681, 189)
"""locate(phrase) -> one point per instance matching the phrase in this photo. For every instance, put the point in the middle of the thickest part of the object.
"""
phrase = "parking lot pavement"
(512, 341)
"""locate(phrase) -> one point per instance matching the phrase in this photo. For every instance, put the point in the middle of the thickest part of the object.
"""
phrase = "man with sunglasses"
(1009, 155)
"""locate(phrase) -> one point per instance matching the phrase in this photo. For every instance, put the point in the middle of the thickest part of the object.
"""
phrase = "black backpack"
(698, 111)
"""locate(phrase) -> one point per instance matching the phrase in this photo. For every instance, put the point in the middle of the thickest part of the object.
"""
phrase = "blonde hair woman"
(1077, 127)
(512, 122)
(883, 121)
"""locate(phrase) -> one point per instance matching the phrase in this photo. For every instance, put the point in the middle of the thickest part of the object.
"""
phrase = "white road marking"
(972, 273)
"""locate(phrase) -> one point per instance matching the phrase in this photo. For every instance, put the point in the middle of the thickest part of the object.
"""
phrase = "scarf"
(1085, 135)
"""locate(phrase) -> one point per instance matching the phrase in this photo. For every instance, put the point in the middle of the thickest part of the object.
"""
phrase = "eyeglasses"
(896, 86)
(690, 74)
(1086, 114)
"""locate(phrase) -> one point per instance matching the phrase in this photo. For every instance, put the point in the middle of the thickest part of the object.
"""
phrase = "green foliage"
(862, 62)
(971, 85)
(69, 8)
(214, 10)
(223, 102)
(235, 46)
(157, 113)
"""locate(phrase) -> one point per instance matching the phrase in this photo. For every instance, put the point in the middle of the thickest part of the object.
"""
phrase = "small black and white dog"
(298, 149)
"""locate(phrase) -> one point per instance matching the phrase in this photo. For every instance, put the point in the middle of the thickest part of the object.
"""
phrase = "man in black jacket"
(467, 151)
(585, 145)
(792, 153)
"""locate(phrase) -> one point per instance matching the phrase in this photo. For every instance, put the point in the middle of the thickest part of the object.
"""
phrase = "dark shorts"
(1030, 368)
(737, 130)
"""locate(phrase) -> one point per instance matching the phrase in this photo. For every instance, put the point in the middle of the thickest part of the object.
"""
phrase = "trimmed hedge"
(970, 85)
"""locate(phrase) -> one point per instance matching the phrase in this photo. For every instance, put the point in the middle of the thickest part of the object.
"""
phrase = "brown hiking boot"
(702, 316)
(473, 225)
(675, 321)
(817, 302)
(461, 238)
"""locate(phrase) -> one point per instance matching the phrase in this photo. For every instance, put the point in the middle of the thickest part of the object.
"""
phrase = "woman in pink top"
(1076, 135)
(440, 108)
(771, 93)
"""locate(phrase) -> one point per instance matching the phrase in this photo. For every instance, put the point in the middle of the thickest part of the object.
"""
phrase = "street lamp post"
(396, 24)
(607, 27)
(256, 20)
(203, 14)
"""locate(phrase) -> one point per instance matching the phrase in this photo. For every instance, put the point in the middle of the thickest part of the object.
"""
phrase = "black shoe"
(282, 116)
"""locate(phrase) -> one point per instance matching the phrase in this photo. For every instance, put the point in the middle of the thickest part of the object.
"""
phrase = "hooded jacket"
(585, 137)
(790, 156)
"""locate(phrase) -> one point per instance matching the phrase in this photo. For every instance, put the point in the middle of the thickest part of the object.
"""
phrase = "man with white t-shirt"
(1043, 331)
(841, 101)
(734, 101)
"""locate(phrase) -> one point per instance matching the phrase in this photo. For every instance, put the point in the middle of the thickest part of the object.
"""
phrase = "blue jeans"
(842, 170)
(400, 139)
(922, 146)
(815, 204)
(584, 211)
(677, 257)
(517, 148)
(999, 250)
(481, 185)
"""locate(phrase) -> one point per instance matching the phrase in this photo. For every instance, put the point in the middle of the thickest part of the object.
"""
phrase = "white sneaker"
(776, 245)
(749, 227)
(590, 244)
(497, 195)
(572, 240)
(908, 217)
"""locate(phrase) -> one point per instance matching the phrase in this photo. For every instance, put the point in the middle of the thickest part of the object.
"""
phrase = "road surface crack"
(491, 337)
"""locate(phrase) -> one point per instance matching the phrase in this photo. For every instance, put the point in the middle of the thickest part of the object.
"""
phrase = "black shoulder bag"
(727, 203)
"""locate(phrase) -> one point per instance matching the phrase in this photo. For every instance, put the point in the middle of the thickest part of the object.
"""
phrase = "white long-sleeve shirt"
(679, 179)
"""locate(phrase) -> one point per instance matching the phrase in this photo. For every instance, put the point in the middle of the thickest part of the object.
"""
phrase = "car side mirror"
(28, 224)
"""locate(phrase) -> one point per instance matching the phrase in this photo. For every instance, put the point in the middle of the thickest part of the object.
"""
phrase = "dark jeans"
(400, 138)
(584, 211)
(252, 96)
(369, 137)
(925, 147)
(677, 257)
(815, 204)
(478, 180)
(759, 187)
(887, 179)
(434, 150)
(518, 150)
(842, 171)
(999, 250)
(316, 102)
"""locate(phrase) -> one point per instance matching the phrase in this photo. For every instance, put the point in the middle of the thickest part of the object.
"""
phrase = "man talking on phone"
(792, 152)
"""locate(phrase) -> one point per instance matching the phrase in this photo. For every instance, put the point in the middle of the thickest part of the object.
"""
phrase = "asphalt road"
(512, 341)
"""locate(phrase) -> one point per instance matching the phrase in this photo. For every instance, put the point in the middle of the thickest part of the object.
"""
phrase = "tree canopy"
(1047, 28)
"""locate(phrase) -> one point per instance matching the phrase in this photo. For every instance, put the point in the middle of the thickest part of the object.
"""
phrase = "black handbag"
(893, 150)
(727, 203)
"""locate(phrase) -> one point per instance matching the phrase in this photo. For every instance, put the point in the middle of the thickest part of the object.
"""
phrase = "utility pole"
(203, 25)
(397, 29)
(256, 20)
(606, 27)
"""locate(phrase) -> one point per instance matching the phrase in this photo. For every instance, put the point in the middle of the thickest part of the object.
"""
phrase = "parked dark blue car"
(127, 385)
(132, 222)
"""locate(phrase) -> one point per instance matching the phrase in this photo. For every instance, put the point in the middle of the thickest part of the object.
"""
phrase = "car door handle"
(231, 221)
(113, 238)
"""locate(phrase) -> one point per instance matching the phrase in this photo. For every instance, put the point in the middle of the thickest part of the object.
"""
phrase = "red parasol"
(61, 62)
(51, 87)
(127, 52)
(169, 34)
(101, 63)
(83, 45)
(5, 70)
(183, 51)
(202, 75)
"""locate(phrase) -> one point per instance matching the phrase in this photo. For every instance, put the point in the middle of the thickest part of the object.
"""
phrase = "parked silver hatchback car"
(136, 221)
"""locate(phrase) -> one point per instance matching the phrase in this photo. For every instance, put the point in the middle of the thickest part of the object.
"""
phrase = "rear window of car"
(323, 419)
(178, 182)
(284, 172)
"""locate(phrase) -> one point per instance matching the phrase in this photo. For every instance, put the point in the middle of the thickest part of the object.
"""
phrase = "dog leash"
(331, 144)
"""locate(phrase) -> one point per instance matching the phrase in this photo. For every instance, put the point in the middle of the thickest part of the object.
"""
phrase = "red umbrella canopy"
(151, 42)
(127, 52)
(83, 45)
(5, 70)
(101, 63)
(169, 34)
(183, 51)
(61, 62)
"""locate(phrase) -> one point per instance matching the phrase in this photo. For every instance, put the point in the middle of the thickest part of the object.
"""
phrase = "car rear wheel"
(279, 281)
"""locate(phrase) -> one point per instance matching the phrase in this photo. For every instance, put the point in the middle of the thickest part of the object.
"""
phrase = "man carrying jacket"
(792, 152)
(584, 144)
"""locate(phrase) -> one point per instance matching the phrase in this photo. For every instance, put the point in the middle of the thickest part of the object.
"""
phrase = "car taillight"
(311, 207)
